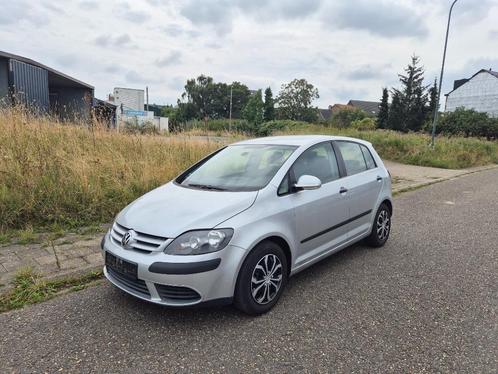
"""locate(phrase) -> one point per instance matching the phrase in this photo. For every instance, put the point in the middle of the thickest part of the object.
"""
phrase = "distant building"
(337, 108)
(43, 89)
(324, 114)
(128, 98)
(370, 107)
(479, 92)
(129, 104)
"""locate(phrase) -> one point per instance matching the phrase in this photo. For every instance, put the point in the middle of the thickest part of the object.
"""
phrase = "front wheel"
(381, 227)
(262, 279)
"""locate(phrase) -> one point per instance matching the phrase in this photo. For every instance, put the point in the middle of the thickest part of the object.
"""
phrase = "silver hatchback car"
(236, 225)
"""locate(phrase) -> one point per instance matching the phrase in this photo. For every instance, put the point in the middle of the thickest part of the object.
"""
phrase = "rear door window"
(351, 153)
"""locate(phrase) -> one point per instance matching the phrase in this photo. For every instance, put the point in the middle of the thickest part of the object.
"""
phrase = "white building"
(129, 98)
(479, 92)
(130, 108)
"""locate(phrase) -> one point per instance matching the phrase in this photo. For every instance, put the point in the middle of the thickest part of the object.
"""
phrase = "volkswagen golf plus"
(235, 226)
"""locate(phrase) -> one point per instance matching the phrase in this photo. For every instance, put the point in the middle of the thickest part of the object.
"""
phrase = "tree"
(171, 113)
(240, 97)
(254, 110)
(269, 114)
(395, 120)
(294, 101)
(413, 97)
(433, 105)
(203, 98)
(382, 117)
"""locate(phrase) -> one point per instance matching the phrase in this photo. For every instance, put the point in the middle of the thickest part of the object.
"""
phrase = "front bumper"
(178, 280)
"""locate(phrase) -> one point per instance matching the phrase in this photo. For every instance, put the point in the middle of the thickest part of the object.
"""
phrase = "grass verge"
(31, 288)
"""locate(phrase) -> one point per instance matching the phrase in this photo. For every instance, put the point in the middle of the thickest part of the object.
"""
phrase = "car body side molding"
(314, 236)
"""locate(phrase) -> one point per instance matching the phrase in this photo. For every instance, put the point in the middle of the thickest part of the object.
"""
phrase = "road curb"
(415, 186)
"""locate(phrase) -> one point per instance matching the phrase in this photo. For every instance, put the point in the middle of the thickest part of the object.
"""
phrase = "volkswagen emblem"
(128, 239)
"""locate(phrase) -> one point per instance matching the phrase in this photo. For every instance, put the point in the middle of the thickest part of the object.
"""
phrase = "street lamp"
(436, 111)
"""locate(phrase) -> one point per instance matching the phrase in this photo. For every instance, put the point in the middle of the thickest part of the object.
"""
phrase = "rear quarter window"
(368, 158)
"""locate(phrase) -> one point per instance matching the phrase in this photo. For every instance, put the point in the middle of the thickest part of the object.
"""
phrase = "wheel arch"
(389, 205)
(277, 239)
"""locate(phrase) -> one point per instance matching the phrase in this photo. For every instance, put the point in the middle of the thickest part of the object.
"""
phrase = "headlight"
(199, 242)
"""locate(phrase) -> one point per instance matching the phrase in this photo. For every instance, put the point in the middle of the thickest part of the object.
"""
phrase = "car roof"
(298, 140)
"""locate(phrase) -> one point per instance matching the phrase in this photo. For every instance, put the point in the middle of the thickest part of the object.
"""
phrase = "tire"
(265, 256)
(381, 227)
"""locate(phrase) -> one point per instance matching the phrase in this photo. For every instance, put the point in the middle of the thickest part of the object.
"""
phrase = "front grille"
(184, 294)
(144, 242)
(134, 285)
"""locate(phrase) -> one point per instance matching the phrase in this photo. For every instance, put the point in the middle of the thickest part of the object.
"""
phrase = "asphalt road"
(426, 302)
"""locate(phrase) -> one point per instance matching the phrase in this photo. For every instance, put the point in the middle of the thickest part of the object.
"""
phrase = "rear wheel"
(262, 279)
(381, 227)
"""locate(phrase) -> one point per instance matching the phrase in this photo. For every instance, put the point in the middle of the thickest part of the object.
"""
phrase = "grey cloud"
(136, 16)
(215, 13)
(386, 18)
(53, 8)
(88, 4)
(171, 59)
(14, 12)
(493, 34)
(219, 13)
(176, 30)
(470, 11)
(214, 45)
(67, 60)
(112, 69)
(132, 15)
(134, 78)
(176, 83)
(122, 40)
(365, 72)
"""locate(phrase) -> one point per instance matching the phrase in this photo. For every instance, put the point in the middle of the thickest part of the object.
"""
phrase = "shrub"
(468, 122)
(220, 126)
(270, 127)
(364, 124)
(145, 128)
(345, 117)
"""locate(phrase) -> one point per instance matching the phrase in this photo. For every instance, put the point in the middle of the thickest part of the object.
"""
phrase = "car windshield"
(245, 167)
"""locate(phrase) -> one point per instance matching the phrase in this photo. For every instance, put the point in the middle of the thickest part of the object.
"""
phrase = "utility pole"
(230, 119)
(436, 111)
(147, 98)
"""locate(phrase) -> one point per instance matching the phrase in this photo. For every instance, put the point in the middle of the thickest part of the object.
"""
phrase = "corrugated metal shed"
(30, 84)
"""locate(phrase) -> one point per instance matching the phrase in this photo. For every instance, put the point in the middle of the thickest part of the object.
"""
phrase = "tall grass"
(69, 175)
(414, 148)
(54, 173)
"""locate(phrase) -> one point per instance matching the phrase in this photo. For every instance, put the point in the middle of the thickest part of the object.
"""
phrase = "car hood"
(170, 210)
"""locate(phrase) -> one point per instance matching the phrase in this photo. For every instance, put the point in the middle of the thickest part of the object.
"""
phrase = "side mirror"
(307, 182)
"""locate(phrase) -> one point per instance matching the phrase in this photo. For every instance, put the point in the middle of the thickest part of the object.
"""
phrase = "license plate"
(128, 269)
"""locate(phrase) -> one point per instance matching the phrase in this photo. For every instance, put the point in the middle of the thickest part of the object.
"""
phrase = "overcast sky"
(348, 49)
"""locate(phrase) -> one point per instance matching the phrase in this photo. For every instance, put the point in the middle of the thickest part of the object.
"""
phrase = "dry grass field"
(59, 175)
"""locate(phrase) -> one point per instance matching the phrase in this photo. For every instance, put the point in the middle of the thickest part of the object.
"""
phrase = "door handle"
(379, 178)
(343, 190)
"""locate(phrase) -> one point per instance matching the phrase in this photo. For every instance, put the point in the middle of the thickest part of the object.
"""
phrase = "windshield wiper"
(206, 187)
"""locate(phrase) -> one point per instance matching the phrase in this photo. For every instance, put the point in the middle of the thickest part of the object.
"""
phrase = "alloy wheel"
(266, 279)
(383, 224)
